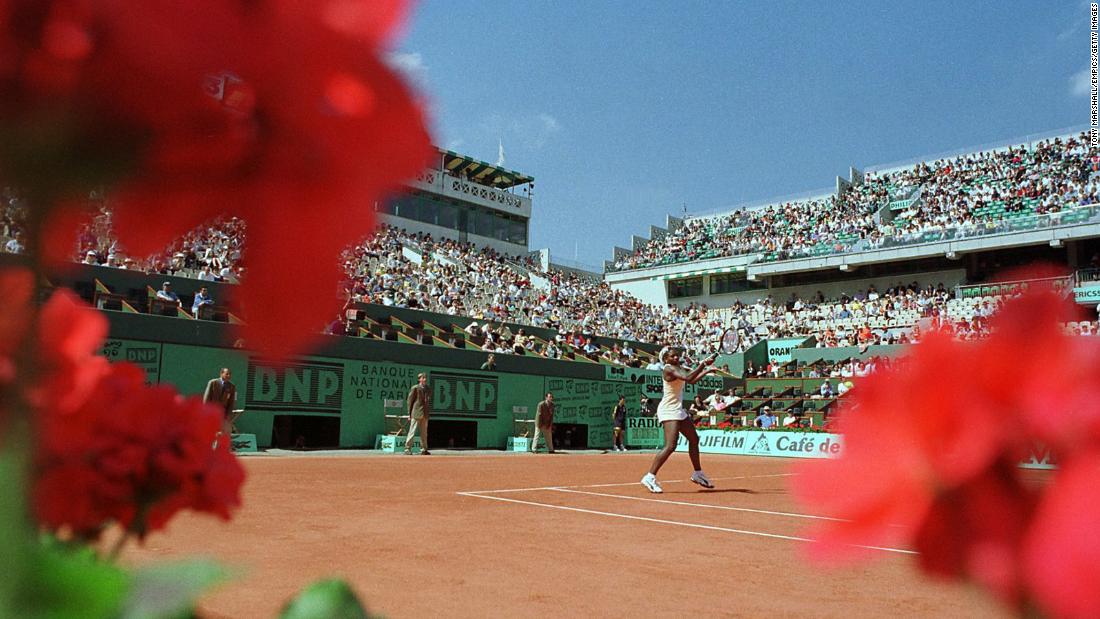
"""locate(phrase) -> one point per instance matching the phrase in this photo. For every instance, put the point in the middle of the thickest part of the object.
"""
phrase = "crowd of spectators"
(966, 195)
(786, 230)
(210, 252)
(396, 268)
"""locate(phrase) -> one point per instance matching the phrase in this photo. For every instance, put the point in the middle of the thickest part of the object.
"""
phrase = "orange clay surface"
(399, 530)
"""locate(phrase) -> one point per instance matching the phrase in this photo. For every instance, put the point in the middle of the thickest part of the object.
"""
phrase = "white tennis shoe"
(650, 482)
(701, 478)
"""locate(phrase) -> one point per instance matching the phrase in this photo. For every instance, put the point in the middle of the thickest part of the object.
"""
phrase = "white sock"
(698, 471)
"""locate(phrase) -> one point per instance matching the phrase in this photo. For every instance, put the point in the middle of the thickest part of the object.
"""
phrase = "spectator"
(490, 364)
(206, 275)
(337, 327)
(167, 295)
(699, 411)
(202, 300)
(15, 244)
(552, 350)
(519, 344)
(826, 390)
(764, 420)
(791, 420)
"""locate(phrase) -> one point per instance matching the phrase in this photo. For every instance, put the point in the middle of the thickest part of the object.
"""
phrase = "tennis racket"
(729, 341)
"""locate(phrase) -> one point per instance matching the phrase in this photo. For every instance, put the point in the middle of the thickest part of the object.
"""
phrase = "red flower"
(134, 455)
(898, 450)
(1062, 553)
(69, 334)
(300, 129)
(931, 453)
(975, 531)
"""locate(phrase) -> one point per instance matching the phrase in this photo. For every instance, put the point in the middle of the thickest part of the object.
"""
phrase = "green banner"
(296, 386)
(351, 401)
(147, 355)
(644, 432)
(651, 381)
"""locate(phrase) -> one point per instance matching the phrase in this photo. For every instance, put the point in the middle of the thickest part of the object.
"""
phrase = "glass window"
(446, 215)
(407, 208)
(723, 283)
(486, 223)
(517, 231)
(690, 287)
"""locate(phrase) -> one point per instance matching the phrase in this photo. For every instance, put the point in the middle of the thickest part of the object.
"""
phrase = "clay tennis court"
(503, 534)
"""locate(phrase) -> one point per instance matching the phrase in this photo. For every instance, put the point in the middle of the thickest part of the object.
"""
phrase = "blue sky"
(625, 111)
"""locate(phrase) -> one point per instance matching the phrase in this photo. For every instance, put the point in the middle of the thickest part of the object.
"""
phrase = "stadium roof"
(484, 173)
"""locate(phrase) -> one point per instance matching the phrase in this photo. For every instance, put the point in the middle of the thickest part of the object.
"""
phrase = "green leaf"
(169, 591)
(325, 599)
(14, 535)
(60, 583)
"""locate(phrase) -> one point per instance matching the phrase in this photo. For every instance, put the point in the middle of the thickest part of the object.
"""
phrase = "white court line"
(671, 522)
(704, 505)
(672, 481)
(629, 483)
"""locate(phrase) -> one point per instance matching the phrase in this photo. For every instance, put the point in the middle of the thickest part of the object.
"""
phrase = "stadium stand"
(475, 297)
(1054, 182)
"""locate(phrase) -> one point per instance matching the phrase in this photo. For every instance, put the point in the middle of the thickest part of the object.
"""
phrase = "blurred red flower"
(975, 531)
(1062, 553)
(69, 335)
(276, 111)
(109, 448)
(932, 448)
(906, 430)
(133, 455)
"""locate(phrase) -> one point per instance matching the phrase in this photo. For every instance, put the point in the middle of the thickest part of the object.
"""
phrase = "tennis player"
(673, 418)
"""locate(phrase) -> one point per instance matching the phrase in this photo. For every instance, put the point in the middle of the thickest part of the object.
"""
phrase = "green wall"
(360, 392)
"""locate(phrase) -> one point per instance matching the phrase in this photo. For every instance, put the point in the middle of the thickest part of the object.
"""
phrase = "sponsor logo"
(465, 395)
(142, 355)
(295, 386)
(1087, 294)
(761, 445)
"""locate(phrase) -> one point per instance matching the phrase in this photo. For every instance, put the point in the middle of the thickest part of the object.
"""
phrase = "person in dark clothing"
(618, 422)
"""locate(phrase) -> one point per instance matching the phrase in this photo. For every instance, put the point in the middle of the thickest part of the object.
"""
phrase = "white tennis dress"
(671, 407)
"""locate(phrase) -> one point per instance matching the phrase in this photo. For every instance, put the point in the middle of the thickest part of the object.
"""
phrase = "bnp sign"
(464, 395)
(309, 387)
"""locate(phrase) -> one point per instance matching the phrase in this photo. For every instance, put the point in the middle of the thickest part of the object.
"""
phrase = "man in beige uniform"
(420, 408)
(544, 423)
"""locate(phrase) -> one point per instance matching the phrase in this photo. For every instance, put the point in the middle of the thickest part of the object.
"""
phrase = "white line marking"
(629, 483)
(704, 505)
(672, 481)
(671, 522)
